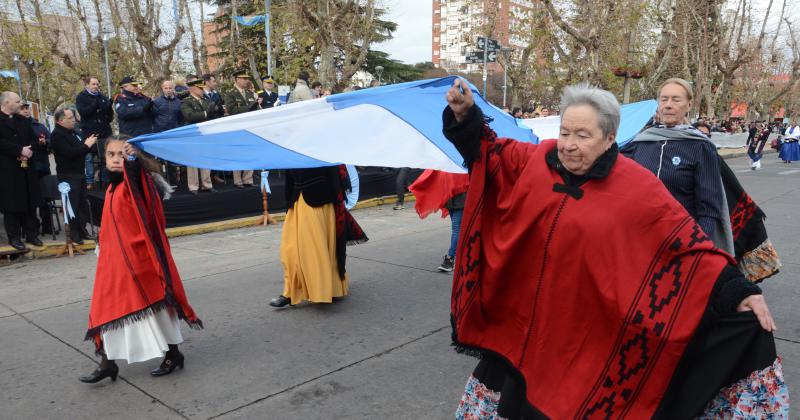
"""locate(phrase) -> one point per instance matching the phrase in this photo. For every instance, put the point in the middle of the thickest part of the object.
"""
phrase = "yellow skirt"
(308, 254)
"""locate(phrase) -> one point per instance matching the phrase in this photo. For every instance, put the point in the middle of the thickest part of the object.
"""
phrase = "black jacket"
(134, 113)
(690, 171)
(166, 113)
(319, 186)
(216, 104)
(69, 151)
(19, 189)
(268, 99)
(95, 112)
(41, 152)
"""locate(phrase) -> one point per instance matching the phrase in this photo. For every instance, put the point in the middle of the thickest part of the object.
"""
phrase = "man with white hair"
(19, 183)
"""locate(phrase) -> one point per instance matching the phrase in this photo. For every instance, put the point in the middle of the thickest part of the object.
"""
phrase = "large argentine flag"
(396, 126)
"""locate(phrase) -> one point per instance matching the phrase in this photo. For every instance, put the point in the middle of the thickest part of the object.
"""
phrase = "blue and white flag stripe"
(395, 126)
(632, 118)
(392, 126)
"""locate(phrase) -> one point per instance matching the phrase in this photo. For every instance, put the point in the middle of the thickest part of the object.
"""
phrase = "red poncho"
(135, 270)
(592, 299)
(433, 189)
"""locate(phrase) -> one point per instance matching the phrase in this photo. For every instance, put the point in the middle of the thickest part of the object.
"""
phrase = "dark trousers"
(45, 217)
(79, 201)
(17, 222)
(401, 183)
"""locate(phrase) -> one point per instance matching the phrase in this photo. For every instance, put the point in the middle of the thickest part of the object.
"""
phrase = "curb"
(50, 249)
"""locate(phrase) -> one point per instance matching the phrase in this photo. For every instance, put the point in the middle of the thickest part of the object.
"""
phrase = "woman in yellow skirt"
(316, 230)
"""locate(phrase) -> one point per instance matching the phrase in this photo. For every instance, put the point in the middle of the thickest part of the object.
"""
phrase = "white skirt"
(144, 339)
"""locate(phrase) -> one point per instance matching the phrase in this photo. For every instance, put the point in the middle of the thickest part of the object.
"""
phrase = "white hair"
(602, 101)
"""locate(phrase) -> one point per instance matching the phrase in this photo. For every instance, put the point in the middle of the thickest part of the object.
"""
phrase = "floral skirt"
(762, 395)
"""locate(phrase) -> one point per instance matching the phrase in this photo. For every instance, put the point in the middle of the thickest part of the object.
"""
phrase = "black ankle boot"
(172, 360)
(280, 302)
(107, 369)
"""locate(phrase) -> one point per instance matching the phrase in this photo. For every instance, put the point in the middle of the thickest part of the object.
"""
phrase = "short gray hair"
(61, 113)
(5, 96)
(602, 101)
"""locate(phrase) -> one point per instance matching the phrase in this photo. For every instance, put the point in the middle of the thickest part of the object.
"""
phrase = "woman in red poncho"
(138, 295)
(589, 291)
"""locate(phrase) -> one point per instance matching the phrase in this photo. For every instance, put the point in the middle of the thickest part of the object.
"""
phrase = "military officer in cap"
(195, 108)
(134, 109)
(267, 98)
(238, 100)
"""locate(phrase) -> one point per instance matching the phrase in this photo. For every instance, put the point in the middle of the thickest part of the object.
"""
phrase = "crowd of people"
(81, 130)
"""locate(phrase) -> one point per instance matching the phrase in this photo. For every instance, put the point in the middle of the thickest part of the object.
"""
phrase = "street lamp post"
(105, 54)
(19, 75)
(506, 52)
(379, 71)
(35, 65)
(267, 20)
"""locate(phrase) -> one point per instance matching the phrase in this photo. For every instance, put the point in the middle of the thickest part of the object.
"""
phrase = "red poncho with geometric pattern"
(592, 299)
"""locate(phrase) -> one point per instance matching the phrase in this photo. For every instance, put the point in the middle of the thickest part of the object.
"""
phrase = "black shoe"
(77, 240)
(447, 264)
(194, 192)
(280, 302)
(88, 236)
(100, 374)
(169, 364)
(241, 187)
(399, 206)
(17, 244)
(35, 241)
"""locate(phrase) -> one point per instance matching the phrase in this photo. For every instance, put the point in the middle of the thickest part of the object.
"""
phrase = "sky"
(412, 40)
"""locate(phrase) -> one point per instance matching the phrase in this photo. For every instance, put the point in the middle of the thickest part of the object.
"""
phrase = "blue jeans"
(455, 223)
(89, 169)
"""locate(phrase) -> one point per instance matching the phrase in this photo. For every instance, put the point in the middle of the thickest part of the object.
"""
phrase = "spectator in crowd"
(19, 189)
(166, 108)
(69, 150)
(544, 112)
(134, 109)
(517, 113)
(194, 109)
(40, 161)
(316, 89)
(401, 182)
(301, 90)
(327, 92)
(268, 98)
(217, 110)
(96, 114)
(181, 89)
(237, 101)
(214, 98)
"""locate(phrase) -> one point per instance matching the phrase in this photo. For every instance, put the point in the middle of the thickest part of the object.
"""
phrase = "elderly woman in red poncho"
(588, 291)
(138, 295)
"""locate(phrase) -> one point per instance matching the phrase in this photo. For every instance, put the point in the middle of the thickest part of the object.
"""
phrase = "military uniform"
(195, 110)
(238, 102)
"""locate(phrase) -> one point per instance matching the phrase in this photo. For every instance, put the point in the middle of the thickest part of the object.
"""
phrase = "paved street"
(382, 352)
